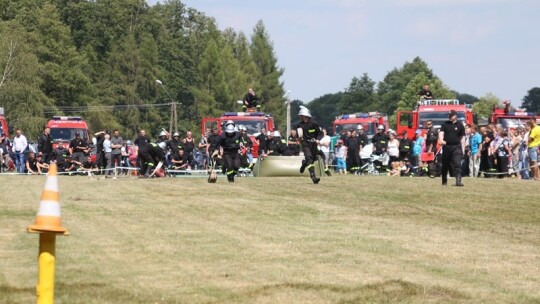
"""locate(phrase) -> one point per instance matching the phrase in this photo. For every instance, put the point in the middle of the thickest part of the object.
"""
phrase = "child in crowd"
(340, 156)
(396, 169)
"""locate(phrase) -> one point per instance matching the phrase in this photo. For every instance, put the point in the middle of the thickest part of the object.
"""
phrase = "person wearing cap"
(310, 134)
(251, 101)
(452, 139)
(380, 145)
(475, 141)
(362, 137)
(78, 148)
(230, 144)
(175, 145)
(405, 146)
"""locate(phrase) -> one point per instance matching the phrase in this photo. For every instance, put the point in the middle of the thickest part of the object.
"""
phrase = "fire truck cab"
(435, 110)
(511, 120)
(63, 129)
(369, 121)
(253, 121)
(4, 127)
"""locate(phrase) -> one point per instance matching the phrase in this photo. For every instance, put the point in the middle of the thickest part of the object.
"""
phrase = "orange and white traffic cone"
(48, 218)
(48, 225)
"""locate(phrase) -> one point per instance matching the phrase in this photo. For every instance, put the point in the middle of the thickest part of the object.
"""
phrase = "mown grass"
(349, 239)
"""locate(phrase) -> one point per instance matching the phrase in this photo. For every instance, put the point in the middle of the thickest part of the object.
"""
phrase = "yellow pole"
(46, 260)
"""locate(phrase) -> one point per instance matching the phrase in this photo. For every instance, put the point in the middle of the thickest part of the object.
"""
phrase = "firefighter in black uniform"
(353, 152)
(363, 140)
(380, 145)
(452, 139)
(310, 134)
(250, 101)
(230, 143)
(405, 146)
(245, 146)
(175, 145)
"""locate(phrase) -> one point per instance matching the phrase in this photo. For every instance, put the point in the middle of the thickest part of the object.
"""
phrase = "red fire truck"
(369, 121)
(63, 129)
(436, 110)
(511, 120)
(4, 128)
(253, 121)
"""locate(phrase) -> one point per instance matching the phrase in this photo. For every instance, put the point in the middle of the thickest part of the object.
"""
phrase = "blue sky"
(474, 46)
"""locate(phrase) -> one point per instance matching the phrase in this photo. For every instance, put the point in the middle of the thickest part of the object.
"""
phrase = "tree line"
(100, 59)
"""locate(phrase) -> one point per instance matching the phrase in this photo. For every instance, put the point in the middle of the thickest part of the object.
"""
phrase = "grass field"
(349, 239)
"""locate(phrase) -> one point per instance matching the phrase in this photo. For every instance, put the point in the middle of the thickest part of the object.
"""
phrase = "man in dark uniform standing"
(452, 139)
(310, 134)
(45, 145)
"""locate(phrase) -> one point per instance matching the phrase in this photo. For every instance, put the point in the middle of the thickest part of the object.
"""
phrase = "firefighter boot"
(314, 178)
(230, 178)
(458, 181)
(303, 167)
(327, 171)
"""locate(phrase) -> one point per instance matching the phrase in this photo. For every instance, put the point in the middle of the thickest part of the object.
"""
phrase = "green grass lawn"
(349, 239)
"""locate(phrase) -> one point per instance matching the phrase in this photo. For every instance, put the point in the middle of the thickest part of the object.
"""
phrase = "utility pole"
(288, 114)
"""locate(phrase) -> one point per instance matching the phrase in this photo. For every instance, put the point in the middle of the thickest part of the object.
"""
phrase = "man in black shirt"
(45, 145)
(78, 148)
(353, 152)
(405, 146)
(425, 93)
(451, 137)
(175, 145)
(250, 101)
(261, 141)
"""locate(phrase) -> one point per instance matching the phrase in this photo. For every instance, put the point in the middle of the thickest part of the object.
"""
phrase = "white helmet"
(163, 133)
(380, 127)
(360, 127)
(304, 112)
(162, 145)
(229, 122)
(242, 128)
(176, 134)
(276, 134)
(230, 129)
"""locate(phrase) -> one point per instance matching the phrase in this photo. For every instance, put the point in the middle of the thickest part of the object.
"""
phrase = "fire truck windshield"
(369, 128)
(65, 134)
(252, 126)
(438, 118)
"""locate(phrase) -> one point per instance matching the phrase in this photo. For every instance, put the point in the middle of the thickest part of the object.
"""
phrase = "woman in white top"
(393, 146)
(108, 149)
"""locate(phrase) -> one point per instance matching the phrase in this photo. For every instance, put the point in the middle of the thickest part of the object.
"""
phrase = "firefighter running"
(310, 134)
(230, 143)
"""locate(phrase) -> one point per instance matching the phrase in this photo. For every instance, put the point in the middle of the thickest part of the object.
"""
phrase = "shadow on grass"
(393, 291)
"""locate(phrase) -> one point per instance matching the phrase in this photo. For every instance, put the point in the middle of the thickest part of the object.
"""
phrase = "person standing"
(230, 144)
(189, 147)
(310, 134)
(19, 148)
(452, 137)
(475, 140)
(117, 142)
(107, 151)
(45, 145)
(534, 144)
(294, 143)
(353, 152)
